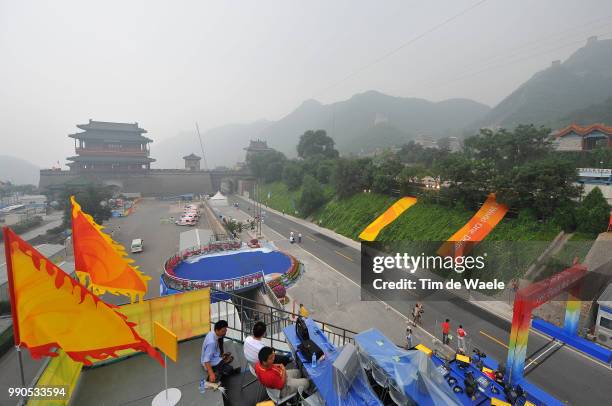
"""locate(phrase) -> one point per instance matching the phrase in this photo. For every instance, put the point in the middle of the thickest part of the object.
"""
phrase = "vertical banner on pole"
(167, 342)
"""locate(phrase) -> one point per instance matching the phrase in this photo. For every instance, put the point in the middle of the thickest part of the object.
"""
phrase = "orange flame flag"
(475, 230)
(101, 259)
(51, 310)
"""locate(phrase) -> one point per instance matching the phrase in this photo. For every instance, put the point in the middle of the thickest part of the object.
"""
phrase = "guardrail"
(276, 319)
(225, 285)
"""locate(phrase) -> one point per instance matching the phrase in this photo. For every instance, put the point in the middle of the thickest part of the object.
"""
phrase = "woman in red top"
(275, 376)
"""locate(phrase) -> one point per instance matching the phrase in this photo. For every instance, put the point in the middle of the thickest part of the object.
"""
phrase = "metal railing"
(224, 285)
(249, 312)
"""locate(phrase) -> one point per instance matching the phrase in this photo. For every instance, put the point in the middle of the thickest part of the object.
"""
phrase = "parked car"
(137, 245)
(186, 222)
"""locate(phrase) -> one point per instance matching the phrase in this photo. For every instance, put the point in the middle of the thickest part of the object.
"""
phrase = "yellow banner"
(475, 230)
(185, 314)
(166, 341)
(61, 371)
(389, 216)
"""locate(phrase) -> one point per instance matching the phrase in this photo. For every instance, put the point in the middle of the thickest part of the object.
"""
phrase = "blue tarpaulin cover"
(360, 393)
(412, 370)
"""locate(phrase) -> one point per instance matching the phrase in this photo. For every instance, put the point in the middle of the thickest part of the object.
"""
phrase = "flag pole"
(20, 358)
(11, 289)
(166, 374)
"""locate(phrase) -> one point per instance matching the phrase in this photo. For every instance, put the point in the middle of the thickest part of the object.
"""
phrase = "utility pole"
(201, 147)
(257, 209)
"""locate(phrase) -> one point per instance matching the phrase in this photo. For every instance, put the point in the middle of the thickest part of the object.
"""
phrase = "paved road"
(563, 372)
(161, 241)
(51, 221)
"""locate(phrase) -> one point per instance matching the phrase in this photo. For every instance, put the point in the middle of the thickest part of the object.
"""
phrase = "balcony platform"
(136, 380)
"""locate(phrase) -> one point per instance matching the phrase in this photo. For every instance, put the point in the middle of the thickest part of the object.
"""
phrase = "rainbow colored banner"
(531, 297)
(475, 230)
(389, 216)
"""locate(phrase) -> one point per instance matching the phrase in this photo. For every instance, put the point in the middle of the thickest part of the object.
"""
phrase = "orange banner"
(50, 310)
(371, 231)
(101, 259)
(475, 230)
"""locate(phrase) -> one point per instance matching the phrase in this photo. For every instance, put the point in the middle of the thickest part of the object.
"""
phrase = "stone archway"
(227, 186)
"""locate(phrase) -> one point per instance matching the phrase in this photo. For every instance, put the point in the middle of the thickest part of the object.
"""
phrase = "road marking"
(310, 238)
(577, 352)
(493, 339)
(533, 361)
(342, 255)
(503, 345)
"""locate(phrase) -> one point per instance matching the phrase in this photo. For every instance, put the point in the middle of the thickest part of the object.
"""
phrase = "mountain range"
(360, 124)
(18, 171)
(565, 89)
(576, 90)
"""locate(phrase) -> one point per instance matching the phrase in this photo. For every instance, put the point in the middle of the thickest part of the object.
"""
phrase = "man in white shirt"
(254, 343)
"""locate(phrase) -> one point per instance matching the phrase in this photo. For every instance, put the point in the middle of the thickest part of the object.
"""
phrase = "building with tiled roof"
(583, 138)
(192, 162)
(105, 147)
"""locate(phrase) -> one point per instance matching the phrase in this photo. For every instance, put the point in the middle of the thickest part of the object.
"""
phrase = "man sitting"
(275, 376)
(254, 343)
(216, 364)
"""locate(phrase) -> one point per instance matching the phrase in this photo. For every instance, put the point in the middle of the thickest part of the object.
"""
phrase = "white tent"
(218, 200)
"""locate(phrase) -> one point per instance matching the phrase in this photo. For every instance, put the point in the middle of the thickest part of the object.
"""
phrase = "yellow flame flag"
(101, 259)
(51, 310)
(371, 231)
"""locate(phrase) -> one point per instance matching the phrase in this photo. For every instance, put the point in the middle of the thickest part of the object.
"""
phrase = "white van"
(137, 245)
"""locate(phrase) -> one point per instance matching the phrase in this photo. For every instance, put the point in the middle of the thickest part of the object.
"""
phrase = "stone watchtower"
(192, 162)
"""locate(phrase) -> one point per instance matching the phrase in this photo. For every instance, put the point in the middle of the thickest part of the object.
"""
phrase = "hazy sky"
(169, 64)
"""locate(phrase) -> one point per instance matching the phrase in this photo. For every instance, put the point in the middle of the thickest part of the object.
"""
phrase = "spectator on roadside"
(445, 332)
(254, 343)
(303, 312)
(461, 339)
(409, 337)
(275, 376)
(417, 313)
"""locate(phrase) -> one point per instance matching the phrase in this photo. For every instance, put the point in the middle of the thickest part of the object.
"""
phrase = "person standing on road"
(299, 238)
(409, 337)
(461, 339)
(445, 332)
(417, 312)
